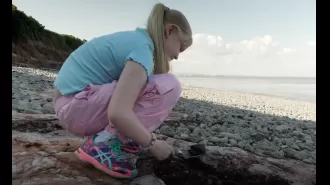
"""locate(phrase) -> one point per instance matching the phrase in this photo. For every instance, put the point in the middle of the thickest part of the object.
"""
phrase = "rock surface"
(43, 154)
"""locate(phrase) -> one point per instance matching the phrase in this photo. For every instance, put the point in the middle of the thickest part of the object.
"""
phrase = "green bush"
(26, 28)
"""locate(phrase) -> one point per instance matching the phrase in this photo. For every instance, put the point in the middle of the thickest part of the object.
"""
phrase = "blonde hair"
(160, 17)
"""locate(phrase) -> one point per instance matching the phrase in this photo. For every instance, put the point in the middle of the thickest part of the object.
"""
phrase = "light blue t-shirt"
(102, 59)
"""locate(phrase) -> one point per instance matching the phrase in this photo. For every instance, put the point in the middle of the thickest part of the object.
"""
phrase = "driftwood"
(42, 153)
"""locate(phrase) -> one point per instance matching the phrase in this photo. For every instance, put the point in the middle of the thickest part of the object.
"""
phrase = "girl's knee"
(168, 86)
(166, 82)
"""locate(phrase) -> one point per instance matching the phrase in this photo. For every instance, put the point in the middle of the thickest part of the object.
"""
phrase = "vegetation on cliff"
(25, 28)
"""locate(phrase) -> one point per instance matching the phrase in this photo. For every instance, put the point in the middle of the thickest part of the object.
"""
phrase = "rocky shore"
(264, 126)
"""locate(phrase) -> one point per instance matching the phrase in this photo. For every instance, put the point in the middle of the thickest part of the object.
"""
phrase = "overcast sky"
(231, 37)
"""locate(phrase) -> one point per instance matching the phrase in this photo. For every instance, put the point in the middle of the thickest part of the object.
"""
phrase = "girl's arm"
(120, 110)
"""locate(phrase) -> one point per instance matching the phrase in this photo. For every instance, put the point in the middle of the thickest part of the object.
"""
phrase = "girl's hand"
(161, 150)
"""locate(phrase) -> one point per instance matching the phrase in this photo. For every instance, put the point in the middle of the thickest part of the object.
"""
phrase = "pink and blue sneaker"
(108, 156)
(131, 147)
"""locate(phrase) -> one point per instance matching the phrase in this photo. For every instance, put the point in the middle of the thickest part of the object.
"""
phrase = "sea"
(294, 88)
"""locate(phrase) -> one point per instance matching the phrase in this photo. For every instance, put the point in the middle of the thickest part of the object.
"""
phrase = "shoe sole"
(131, 151)
(88, 159)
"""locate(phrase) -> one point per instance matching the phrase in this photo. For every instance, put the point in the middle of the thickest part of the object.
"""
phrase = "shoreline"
(254, 94)
(54, 72)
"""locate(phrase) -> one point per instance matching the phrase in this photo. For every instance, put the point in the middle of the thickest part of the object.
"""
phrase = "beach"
(264, 125)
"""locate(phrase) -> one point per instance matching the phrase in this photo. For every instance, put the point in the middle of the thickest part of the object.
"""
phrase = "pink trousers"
(85, 113)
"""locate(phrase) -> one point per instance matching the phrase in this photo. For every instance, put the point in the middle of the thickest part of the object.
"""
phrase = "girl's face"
(172, 43)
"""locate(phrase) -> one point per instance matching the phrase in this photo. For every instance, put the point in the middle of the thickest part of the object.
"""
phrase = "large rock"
(41, 157)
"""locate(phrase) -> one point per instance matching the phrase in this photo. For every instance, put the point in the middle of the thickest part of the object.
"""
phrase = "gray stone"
(183, 130)
(233, 142)
(241, 144)
(281, 128)
(147, 180)
(203, 126)
(216, 128)
(289, 152)
(182, 136)
(249, 148)
(279, 154)
(224, 140)
(264, 131)
(194, 138)
(245, 136)
(215, 139)
(300, 155)
(191, 128)
(295, 146)
(297, 133)
(221, 135)
(31, 111)
(204, 142)
(289, 142)
(201, 132)
(230, 135)
(167, 130)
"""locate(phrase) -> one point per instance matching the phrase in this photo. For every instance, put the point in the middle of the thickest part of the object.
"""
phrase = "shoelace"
(115, 146)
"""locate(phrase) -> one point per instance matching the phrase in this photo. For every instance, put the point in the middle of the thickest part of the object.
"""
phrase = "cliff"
(35, 46)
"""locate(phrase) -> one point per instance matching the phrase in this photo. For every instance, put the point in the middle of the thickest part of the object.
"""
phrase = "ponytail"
(155, 28)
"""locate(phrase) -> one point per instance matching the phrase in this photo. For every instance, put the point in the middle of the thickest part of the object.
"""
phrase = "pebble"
(263, 124)
(194, 138)
(167, 130)
(183, 130)
(233, 142)
(215, 139)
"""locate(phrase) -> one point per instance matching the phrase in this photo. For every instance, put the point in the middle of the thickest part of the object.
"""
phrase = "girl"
(105, 90)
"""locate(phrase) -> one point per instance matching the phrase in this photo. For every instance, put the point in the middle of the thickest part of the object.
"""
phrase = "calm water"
(291, 88)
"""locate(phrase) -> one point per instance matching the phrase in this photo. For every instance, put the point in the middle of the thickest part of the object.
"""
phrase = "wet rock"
(197, 149)
(48, 158)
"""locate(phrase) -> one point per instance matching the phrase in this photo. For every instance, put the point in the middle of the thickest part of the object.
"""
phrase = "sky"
(231, 37)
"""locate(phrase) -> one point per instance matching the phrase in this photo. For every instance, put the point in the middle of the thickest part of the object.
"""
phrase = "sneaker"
(131, 147)
(108, 157)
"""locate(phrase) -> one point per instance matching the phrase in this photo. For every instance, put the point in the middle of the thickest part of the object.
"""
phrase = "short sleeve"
(143, 56)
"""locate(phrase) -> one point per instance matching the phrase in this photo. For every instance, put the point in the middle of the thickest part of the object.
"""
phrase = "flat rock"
(40, 158)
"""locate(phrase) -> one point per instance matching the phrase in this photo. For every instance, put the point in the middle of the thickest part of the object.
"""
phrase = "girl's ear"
(169, 30)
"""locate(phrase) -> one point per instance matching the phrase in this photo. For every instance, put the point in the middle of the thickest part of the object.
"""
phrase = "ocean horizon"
(294, 88)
